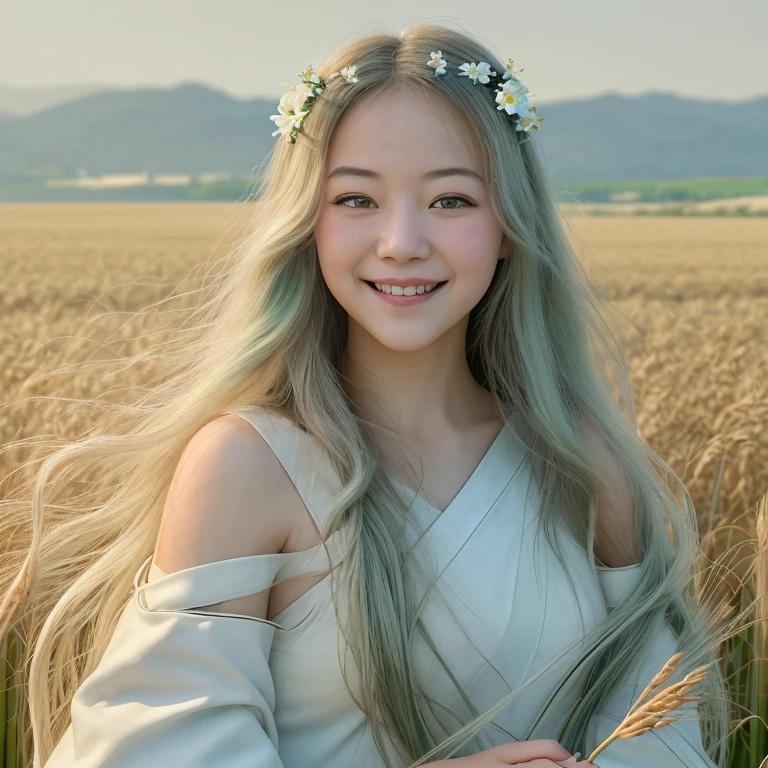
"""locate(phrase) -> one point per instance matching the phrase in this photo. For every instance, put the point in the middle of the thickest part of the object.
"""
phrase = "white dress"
(181, 686)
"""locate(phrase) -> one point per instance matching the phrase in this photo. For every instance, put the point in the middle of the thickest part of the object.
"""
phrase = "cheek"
(337, 252)
(474, 245)
(329, 238)
(327, 235)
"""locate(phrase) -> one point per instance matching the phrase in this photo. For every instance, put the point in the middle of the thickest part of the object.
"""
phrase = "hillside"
(193, 128)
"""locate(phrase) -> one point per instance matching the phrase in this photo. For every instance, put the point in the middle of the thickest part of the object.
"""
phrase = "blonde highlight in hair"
(270, 334)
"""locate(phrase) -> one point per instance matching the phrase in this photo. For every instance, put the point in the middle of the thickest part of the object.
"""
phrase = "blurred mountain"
(654, 136)
(28, 100)
(186, 129)
(193, 128)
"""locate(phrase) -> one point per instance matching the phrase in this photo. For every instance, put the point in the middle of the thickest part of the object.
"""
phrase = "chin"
(405, 343)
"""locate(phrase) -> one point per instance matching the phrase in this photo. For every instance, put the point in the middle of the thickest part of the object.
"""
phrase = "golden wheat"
(646, 715)
(690, 298)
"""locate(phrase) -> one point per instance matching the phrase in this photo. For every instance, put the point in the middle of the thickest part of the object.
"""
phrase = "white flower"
(309, 75)
(513, 97)
(529, 122)
(438, 62)
(311, 81)
(510, 71)
(293, 101)
(293, 106)
(477, 71)
(348, 73)
(290, 109)
(285, 123)
(303, 89)
(513, 85)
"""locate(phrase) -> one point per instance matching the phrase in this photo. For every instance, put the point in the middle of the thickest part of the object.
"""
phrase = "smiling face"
(400, 220)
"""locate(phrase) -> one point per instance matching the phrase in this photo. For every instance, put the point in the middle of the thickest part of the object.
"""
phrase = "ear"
(506, 247)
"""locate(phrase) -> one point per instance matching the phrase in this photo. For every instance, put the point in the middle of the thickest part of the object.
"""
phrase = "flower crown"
(297, 103)
(511, 94)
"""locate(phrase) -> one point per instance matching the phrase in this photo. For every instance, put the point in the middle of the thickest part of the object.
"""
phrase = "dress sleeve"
(180, 685)
(677, 745)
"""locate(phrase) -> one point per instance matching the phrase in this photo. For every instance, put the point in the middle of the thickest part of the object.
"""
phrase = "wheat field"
(689, 303)
(689, 300)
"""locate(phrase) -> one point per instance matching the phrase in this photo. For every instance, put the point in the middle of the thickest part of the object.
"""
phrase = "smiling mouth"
(436, 288)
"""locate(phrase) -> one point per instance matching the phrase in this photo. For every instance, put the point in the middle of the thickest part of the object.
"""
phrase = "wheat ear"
(646, 716)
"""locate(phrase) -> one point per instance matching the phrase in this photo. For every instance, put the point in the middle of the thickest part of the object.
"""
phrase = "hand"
(539, 753)
(571, 763)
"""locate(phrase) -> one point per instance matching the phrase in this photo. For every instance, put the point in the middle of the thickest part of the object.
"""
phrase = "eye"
(343, 200)
(466, 202)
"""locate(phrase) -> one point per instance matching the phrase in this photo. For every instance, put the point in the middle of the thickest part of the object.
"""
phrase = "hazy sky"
(569, 48)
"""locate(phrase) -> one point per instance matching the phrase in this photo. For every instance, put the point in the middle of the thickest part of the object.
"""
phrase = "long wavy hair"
(269, 333)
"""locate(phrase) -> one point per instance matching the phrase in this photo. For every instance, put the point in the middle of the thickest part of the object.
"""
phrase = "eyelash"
(469, 204)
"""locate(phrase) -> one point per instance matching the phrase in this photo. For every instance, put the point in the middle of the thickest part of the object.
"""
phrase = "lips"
(436, 283)
(405, 301)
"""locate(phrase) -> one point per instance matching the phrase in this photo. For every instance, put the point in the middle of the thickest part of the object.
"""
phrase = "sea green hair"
(270, 334)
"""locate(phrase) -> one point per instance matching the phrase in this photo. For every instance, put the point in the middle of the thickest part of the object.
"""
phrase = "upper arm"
(615, 539)
(226, 499)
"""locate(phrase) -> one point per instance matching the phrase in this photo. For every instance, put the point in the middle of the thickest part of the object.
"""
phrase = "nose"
(403, 234)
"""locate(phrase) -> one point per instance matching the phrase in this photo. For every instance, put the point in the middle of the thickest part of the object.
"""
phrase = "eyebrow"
(350, 170)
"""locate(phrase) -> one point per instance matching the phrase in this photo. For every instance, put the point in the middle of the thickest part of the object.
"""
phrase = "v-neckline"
(470, 481)
(506, 437)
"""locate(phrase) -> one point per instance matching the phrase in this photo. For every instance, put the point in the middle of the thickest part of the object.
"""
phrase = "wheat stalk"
(646, 716)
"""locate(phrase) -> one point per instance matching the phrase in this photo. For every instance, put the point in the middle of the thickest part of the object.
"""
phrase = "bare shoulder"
(226, 498)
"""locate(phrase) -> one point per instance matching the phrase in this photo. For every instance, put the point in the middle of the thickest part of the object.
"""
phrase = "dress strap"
(302, 457)
(617, 584)
(222, 580)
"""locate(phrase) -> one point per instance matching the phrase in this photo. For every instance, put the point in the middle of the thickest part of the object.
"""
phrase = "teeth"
(409, 290)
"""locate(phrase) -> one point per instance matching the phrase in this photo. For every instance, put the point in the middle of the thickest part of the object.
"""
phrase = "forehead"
(402, 132)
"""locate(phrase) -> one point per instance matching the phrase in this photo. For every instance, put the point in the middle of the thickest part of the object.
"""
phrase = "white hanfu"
(180, 685)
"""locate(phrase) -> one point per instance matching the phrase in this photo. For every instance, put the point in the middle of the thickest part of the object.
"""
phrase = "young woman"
(356, 528)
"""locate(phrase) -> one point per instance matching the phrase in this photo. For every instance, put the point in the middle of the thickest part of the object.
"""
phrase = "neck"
(420, 394)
